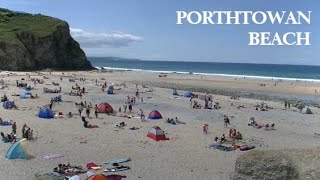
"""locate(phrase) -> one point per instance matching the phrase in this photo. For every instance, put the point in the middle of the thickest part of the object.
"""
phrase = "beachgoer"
(14, 128)
(141, 99)
(142, 116)
(177, 121)
(96, 112)
(88, 112)
(205, 129)
(5, 139)
(130, 108)
(285, 104)
(86, 123)
(125, 107)
(119, 109)
(80, 110)
(226, 121)
(24, 127)
(223, 138)
(239, 136)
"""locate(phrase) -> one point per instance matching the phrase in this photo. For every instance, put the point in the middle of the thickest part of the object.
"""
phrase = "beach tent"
(46, 113)
(105, 108)
(8, 104)
(156, 134)
(98, 177)
(110, 90)
(175, 92)
(155, 115)
(23, 96)
(18, 150)
(187, 94)
(306, 110)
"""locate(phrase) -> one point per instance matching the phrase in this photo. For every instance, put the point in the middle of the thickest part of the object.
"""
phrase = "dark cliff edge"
(34, 42)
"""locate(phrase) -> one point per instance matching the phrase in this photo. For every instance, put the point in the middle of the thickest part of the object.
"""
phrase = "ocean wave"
(213, 74)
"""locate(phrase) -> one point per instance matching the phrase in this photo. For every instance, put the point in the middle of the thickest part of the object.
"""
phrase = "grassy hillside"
(15, 22)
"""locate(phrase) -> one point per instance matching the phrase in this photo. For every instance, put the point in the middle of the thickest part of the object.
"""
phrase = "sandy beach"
(186, 155)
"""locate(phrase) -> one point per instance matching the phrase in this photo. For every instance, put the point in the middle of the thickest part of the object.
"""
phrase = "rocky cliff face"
(35, 42)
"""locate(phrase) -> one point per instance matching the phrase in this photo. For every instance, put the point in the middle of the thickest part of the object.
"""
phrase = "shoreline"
(288, 79)
(307, 100)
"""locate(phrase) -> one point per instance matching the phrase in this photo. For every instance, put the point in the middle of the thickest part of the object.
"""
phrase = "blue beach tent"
(8, 104)
(18, 150)
(187, 94)
(46, 113)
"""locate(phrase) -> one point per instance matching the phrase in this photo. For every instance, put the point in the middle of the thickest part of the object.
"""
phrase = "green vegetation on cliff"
(33, 42)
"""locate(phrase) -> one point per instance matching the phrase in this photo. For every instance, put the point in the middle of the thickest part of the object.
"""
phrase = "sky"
(147, 29)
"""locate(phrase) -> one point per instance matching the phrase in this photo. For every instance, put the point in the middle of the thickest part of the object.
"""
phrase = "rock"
(35, 42)
(278, 165)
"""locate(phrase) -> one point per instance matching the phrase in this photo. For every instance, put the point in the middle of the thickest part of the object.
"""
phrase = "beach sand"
(186, 157)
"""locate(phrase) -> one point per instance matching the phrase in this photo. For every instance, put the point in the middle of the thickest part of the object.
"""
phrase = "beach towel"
(117, 169)
(52, 156)
(246, 147)
(221, 147)
(6, 123)
(117, 161)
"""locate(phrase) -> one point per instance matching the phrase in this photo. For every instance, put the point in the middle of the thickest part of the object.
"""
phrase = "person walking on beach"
(142, 116)
(141, 99)
(130, 108)
(205, 129)
(285, 104)
(88, 112)
(80, 110)
(125, 107)
(14, 128)
(96, 110)
(226, 121)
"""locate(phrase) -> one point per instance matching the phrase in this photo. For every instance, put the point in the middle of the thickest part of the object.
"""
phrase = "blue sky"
(147, 29)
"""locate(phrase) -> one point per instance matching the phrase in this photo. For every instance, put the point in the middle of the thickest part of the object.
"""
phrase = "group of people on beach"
(87, 107)
(27, 132)
(78, 91)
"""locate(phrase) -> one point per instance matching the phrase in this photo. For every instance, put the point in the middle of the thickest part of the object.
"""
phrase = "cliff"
(35, 42)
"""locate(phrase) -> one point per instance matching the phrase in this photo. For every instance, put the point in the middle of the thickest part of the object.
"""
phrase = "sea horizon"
(249, 70)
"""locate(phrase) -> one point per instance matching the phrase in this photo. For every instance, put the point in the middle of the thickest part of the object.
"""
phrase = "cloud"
(96, 40)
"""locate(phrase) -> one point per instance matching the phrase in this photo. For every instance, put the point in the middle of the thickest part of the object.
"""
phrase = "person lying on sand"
(120, 126)
(8, 138)
(66, 169)
(86, 123)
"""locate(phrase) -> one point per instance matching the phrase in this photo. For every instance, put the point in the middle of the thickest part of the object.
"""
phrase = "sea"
(263, 71)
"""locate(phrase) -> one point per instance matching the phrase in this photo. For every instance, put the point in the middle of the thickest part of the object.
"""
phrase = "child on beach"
(205, 129)
(14, 128)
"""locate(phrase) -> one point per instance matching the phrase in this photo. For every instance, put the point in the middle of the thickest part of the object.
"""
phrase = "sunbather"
(239, 136)
(86, 123)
